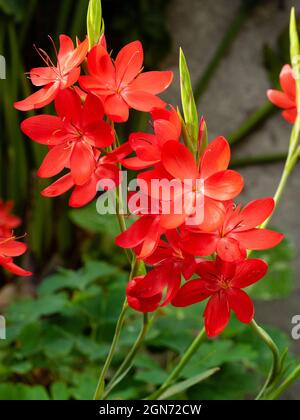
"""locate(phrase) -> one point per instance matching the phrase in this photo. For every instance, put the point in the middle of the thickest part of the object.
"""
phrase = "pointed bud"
(203, 137)
(95, 24)
(188, 104)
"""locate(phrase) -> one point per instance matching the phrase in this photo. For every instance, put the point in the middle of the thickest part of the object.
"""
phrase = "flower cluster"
(197, 249)
(9, 246)
(81, 137)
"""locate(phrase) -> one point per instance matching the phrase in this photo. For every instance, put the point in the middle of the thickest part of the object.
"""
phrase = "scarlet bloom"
(8, 221)
(106, 176)
(148, 147)
(210, 183)
(120, 83)
(57, 77)
(142, 236)
(222, 283)
(145, 293)
(238, 232)
(72, 136)
(286, 98)
(10, 248)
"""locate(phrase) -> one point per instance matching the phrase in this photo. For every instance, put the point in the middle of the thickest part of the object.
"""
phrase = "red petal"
(194, 291)
(42, 76)
(101, 67)
(142, 101)
(93, 110)
(258, 239)
(82, 163)
(216, 314)
(152, 81)
(136, 234)
(290, 115)
(116, 108)
(83, 194)
(248, 272)
(136, 164)
(139, 303)
(129, 62)
(39, 99)
(216, 157)
(59, 187)
(15, 269)
(202, 244)
(280, 99)
(223, 185)
(179, 161)
(241, 304)
(68, 105)
(229, 250)
(287, 81)
(41, 127)
(12, 248)
(55, 161)
(256, 212)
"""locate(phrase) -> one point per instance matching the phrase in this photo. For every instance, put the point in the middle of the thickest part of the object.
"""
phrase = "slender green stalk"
(258, 160)
(292, 377)
(255, 119)
(188, 354)
(131, 355)
(101, 383)
(276, 363)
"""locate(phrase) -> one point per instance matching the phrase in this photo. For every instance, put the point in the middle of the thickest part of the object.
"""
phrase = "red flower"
(146, 293)
(8, 221)
(211, 185)
(105, 169)
(55, 78)
(170, 252)
(222, 282)
(237, 233)
(9, 248)
(143, 236)
(287, 98)
(148, 147)
(120, 83)
(72, 136)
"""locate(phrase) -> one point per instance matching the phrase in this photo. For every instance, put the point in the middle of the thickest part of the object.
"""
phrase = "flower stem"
(125, 366)
(293, 376)
(188, 354)
(276, 364)
(101, 383)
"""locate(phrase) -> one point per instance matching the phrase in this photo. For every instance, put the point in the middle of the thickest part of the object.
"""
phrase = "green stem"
(276, 364)
(131, 355)
(258, 160)
(101, 383)
(284, 386)
(188, 354)
(258, 117)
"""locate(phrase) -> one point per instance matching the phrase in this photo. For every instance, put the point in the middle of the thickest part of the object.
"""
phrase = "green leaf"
(18, 392)
(184, 385)
(60, 392)
(279, 281)
(95, 24)
(188, 104)
(153, 376)
(87, 218)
